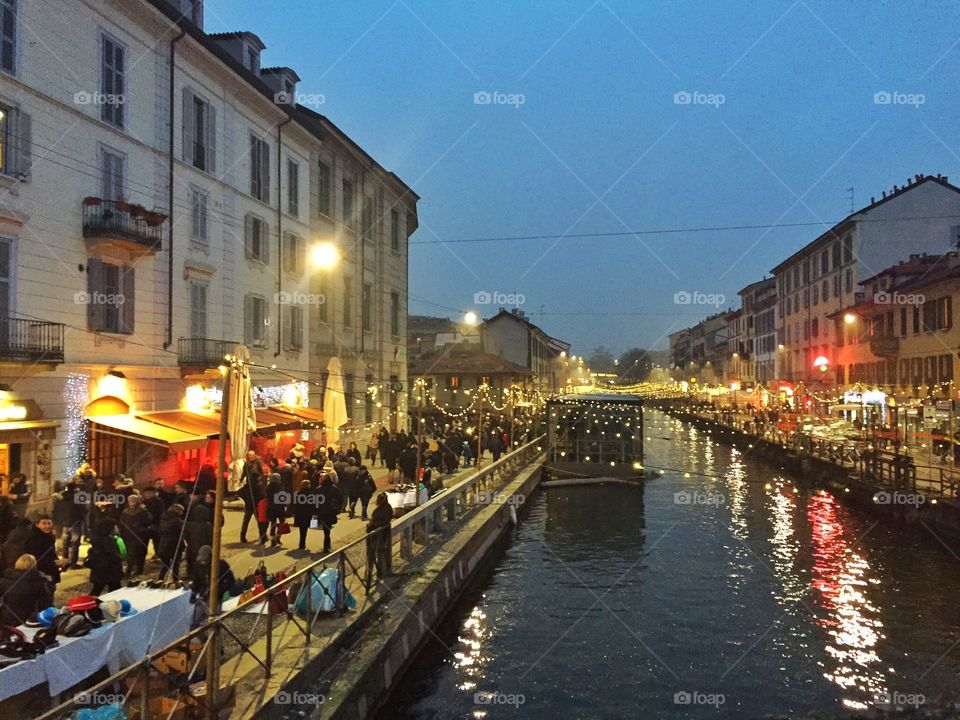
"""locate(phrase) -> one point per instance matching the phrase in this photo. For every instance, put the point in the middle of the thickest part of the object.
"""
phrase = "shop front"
(26, 439)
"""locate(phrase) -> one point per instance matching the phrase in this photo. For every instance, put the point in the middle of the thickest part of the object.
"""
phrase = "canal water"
(722, 589)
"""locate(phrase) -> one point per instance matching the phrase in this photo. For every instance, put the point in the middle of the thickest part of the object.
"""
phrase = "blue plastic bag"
(323, 589)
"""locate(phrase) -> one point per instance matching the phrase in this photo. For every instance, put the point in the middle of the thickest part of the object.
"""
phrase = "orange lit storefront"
(175, 444)
(25, 443)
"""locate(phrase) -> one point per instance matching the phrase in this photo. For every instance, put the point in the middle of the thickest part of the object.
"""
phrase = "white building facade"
(160, 198)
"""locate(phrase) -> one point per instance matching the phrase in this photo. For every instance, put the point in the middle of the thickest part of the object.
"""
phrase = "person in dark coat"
(19, 492)
(206, 480)
(276, 508)
(379, 545)
(136, 529)
(496, 446)
(166, 496)
(350, 484)
(6, 519)
(103, 559)
(24, 591)
(197, 532)
(43, 546)
(250, 491)
(73, 512)
(303, 509)
(169, 544)
(328, 505)
(285, 472)
(408, 463)
(226, 580)
(153, 505)
(15, 544)
(366, 487)
(354, 452)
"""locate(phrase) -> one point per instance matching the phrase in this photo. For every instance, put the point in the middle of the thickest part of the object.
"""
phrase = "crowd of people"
(121, 523)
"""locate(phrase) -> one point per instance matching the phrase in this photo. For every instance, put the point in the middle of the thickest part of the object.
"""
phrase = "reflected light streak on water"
(840, 578)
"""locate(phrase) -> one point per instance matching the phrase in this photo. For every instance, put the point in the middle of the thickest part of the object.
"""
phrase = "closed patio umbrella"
(334, 402)
(241, 416)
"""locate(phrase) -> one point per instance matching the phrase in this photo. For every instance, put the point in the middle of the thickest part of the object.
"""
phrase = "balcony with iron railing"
(203, 353)
(25, 340)
(130, 224)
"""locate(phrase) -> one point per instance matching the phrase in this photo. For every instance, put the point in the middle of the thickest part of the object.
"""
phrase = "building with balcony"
(759, 335)
(826, 275)
(162, 194)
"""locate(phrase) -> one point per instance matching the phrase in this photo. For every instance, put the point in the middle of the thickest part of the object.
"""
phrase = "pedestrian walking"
(327, 506)
(367, 486)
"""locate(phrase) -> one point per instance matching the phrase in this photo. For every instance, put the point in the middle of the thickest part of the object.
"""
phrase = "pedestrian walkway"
(245, 557)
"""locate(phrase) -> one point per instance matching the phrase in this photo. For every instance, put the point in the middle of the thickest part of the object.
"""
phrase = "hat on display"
(111, 610)
(82, 603)
(46, 616)
(126, 609)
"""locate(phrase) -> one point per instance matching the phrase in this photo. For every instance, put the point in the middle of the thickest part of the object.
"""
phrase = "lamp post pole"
(480, 389)
(213, 600)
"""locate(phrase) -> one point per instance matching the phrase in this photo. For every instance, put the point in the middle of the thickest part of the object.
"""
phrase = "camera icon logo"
(682, 698)
(282, 298)
(482, 298)
(283, 98)
(682, 298)
(882, 97)
(882, 298)
(682, 98)
(682, 498)
(482, 97)
(282, 498)
(83, 98)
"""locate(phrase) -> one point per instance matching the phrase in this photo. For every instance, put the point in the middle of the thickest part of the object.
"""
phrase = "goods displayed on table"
(403, 496)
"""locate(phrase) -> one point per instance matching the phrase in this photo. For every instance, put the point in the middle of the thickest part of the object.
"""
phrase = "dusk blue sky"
(798, 126)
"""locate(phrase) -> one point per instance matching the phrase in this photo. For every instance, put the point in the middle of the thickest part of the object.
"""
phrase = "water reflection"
(840, 577)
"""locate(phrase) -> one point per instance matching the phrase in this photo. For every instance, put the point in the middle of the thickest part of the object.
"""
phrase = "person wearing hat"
(24, 592)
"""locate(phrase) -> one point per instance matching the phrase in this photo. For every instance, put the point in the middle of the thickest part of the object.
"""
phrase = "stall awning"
(207, 426)
(271, 420)
(307, 415)
(136, 428)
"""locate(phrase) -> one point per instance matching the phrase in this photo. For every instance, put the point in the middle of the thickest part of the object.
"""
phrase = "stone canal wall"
(369, 671)
(939, 513)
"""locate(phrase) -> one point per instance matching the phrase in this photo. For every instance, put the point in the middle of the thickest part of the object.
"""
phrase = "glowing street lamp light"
(471, 318)
(849, 318)
(324, 255)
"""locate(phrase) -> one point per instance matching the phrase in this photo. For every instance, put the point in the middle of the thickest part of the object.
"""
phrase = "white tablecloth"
(162, 616)
(407, 499)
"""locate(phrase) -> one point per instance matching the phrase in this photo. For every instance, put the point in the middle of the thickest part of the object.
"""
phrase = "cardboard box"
(174, 661)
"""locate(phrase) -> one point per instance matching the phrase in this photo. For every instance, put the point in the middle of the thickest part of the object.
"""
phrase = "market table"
(408, 499)
(162, 616)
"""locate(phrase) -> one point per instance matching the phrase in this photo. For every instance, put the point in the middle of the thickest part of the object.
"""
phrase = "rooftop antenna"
(850, 191)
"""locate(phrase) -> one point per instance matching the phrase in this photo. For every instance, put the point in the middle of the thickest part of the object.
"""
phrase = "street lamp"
(471, 318)
(324, 255)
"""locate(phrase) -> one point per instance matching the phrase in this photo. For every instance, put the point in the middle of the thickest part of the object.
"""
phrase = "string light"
(75, 393)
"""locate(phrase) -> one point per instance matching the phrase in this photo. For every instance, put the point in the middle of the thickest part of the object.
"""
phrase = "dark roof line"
(835, 231)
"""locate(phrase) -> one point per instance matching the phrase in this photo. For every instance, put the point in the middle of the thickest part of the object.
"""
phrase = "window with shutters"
(199, 131)
(294, 253)
(15, 150)
(198, 309)
(254, 321)
(323, 189)
(112, 68)
(293, 327)
(348, 302)
(8, 35)
(110, 297)
(259, 168)
(198, 216)
(395, 314)
(366, 309)
(293, 188)
(112, 180)
(6, 276)
(395, 231)
(348, 211)
(366, 221)
(257, 239)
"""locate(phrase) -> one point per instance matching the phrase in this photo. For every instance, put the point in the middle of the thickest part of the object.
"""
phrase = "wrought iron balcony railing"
(23, 340)
(122, 220)
(203, 352)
